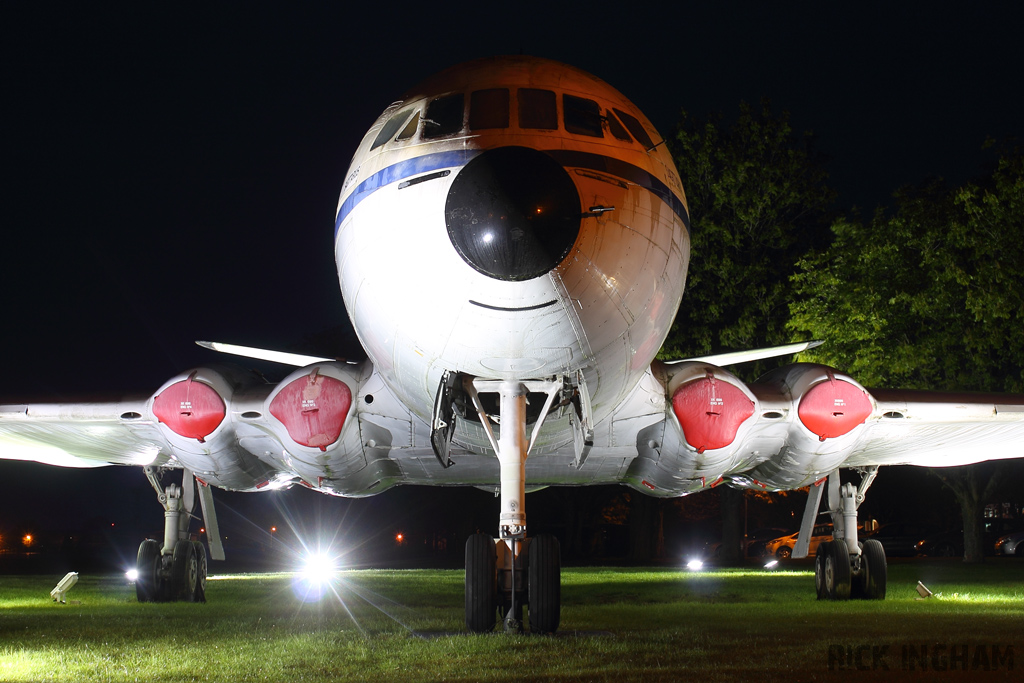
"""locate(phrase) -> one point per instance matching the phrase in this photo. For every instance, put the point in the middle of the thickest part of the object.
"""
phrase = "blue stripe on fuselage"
(400, 171)
(433, 162)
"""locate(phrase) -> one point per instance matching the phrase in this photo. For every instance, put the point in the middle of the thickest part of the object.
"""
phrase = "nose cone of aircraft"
(513, 213)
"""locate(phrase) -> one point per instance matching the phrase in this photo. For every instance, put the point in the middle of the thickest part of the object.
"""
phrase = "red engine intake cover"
(710, 411)
(190, 408)
(313, 409)
(833, 408)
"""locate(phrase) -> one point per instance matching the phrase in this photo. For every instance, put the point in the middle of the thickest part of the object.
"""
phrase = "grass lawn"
(617, 625)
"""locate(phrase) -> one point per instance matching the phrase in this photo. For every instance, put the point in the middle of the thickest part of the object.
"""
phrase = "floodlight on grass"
(695, 565)
(771, 564)
(59, 593)
(923, 591)
(316, 578)
(132, 575)
(318, 568)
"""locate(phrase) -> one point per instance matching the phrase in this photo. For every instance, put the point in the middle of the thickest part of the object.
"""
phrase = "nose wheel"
(499, 585)
(545, 584)
(481, 583)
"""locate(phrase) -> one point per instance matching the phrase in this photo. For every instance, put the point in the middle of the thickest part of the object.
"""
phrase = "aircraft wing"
(81, 434)
(800, 423)
(230, 428)
(938, 429)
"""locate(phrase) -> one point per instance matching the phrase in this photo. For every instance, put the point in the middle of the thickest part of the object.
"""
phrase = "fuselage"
(512, 218)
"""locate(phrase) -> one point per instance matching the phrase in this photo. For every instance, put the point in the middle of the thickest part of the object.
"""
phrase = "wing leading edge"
(81, 434)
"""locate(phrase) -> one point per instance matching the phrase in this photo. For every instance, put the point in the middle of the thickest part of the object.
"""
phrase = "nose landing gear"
(512, 571)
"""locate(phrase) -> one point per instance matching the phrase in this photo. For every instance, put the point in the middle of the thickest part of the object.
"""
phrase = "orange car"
(782, 548)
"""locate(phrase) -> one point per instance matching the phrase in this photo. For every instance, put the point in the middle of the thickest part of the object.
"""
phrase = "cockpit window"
(582, 116)
(537, 109)
(443, 116)
(636, 129)
(488, 109)
(615, 127)
(390, 127)
(410, 128)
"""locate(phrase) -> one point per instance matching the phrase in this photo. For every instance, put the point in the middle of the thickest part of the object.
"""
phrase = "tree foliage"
(758, 198)
(927, 296)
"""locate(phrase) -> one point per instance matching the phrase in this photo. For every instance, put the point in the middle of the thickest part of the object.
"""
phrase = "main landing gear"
(844, 567)
(177, 568)
(511, 572)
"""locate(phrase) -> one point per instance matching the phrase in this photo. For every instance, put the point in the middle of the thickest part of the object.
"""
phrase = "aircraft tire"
(545, 584)
(837, 571)
(199, 594)
(481, 583)
(184, 571)
(876, 571)
(147, 564)
(819, 571)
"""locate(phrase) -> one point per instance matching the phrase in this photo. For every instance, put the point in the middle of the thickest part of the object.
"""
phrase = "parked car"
(756, 541)
(1011, 544)
(782, 547)
(759, 538)
(951, 543)
(943, 544)
(900, 539)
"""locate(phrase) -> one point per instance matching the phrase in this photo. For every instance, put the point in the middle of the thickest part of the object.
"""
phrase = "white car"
(1011, 544)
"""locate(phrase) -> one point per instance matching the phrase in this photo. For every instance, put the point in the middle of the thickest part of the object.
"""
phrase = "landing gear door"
(442, 422)
(582, 420)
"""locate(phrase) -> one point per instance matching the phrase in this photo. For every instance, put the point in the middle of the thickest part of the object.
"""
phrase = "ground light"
(695, 565)
(771, 564)
(318, 567)
(60, 592)
(132, 575)
(316, 577)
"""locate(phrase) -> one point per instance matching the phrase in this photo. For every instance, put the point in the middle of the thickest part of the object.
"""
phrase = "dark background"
(172, 174)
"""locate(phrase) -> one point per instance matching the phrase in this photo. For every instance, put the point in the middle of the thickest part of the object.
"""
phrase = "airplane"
(512, 242)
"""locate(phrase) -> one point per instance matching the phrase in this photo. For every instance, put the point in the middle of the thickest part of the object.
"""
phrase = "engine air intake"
(313, 409)
(833, 408)
(190, 408)
(710, 411)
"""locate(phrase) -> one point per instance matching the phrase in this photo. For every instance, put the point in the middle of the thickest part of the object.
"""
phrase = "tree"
(973, 485)
(758, 199)
(927, 297)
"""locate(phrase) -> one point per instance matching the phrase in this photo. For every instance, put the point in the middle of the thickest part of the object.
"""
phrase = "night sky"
(172, 175)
